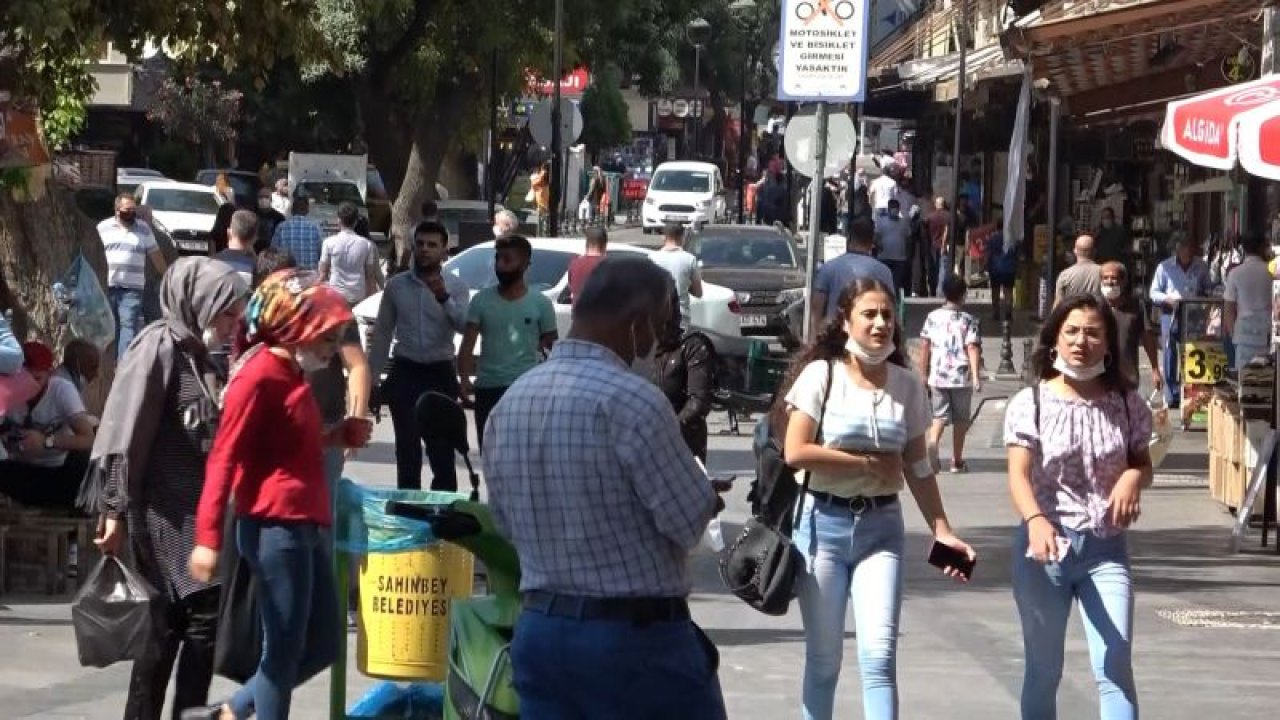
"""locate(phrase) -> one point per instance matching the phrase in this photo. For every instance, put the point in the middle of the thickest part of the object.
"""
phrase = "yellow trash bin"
(404, 610)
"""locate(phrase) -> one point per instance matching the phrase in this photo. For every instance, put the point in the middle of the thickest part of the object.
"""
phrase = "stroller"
(479, 685)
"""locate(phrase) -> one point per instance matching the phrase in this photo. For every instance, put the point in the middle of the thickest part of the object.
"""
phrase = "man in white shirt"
(881, 191)
(1247, 314)
(46, 439)
(682, 266)
(128, 243)
(348, 261)
(280, 201)
(1180, 277)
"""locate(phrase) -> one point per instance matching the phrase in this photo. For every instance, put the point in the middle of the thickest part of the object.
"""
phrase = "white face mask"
(866, 355)
(498, 231)
(1083, 374)
(309, 361)
(1111, 292)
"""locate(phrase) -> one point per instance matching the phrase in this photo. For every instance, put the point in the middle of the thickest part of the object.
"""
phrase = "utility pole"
(815, 216)
(557, 189)
(962, 39)
(490, 184)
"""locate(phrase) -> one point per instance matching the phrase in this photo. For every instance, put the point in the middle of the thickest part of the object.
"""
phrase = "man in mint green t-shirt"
(515, 324)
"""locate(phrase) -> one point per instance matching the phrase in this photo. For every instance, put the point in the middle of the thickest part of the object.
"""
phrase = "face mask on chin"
(1111, 292)
(498, 231)
(1079, 374)
(867, 355)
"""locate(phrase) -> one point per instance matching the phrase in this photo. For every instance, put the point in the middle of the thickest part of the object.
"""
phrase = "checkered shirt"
(301, 238)
(589, 477)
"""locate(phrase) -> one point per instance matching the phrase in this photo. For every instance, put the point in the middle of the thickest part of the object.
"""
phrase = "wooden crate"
(36, 560)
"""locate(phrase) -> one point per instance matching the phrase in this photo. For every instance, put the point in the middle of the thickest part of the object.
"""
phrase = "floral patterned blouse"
(1080, 448)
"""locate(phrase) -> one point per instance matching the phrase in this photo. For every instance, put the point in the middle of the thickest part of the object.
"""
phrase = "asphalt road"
(1207, 639)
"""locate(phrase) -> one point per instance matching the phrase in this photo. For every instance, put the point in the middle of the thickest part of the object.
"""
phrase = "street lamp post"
(557, 189)
(698, 31)
(742, 11)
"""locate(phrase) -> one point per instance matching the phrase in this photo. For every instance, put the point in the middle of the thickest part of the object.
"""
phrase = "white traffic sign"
(800, 140)
(570, 122)
(823, 50)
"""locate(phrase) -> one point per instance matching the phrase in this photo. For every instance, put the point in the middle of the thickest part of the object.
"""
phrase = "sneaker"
(960, 467)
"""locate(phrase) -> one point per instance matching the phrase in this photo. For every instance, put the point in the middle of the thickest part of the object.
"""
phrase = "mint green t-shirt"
(509, 334)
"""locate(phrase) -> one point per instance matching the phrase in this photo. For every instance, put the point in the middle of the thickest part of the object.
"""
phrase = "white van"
(684, 193)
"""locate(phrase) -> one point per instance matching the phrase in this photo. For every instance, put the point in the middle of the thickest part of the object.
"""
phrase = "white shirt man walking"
(683, 267)
(128, 243)
(349, 261)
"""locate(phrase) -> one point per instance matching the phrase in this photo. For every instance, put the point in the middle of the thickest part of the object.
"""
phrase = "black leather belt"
(856, 505)
(635, 610)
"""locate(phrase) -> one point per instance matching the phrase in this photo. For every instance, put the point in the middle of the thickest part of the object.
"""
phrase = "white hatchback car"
(684, 193)
(716, 312)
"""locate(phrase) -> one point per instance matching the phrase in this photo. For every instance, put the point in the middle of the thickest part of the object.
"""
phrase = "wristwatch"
(48, 442)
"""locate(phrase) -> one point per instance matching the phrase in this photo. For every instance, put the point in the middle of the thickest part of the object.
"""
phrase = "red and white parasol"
(1240, 123)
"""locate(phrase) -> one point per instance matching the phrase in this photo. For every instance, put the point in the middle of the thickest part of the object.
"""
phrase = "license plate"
(193, 245)
(754, 321)
(673, 218)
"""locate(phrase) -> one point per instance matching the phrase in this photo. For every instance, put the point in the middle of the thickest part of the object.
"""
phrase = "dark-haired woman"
(1078, 463)
(872, 433)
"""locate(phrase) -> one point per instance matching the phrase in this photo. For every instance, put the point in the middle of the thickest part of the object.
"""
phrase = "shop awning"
(980, 64)
(1240, 123)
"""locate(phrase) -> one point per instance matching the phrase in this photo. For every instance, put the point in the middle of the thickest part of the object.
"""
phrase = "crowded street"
(1206, 616)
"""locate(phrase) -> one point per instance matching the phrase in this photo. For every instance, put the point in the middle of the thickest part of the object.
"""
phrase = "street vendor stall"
(1233, 126)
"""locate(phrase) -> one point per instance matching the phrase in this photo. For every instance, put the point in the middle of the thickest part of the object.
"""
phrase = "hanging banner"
(1015, 191)
(823, 50)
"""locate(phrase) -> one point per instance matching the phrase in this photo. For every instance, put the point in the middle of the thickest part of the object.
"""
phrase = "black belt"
(856, 505)
(635, 610)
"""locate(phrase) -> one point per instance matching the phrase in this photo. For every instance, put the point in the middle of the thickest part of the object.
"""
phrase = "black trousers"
(407, 382)
(486, 400)
(48, 488)
(191, 626)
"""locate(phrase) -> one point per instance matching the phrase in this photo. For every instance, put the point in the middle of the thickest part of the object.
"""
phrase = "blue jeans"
(1095, 573)
(854, 558)
(126, 306)
(299, 606)
(571, 669)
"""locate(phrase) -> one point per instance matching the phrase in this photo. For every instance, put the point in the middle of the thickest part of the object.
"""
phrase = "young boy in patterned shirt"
(951, 362)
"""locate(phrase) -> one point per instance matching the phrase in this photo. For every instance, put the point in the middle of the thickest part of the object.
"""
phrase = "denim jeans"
(1095, 573)
(572, 669)
(299, 606)
(854, 558)
(1172, 373)
(126, 306)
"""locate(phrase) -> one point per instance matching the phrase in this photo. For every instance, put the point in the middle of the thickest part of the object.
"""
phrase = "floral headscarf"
(292, 307)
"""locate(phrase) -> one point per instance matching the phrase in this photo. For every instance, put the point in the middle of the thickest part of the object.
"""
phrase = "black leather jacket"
(686, 375)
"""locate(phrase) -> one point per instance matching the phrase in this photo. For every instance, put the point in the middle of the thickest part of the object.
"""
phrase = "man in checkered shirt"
(589, 477)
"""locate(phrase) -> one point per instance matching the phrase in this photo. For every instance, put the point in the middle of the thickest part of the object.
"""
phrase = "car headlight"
(650, 201)
(702, 204)
(791, 295)
(743, 297)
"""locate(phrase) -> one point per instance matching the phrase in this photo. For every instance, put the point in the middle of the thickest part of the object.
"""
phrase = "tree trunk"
(434, 132)
(387, 135)
(41, 233)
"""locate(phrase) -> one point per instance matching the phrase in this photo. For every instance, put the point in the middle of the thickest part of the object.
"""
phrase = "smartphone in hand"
(944, 556)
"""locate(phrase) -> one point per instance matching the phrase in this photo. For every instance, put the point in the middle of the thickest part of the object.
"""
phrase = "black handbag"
(237, 650)
(760, 567)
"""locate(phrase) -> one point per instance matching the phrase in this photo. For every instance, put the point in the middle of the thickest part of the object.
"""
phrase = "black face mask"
(507, 278)
(127, 216)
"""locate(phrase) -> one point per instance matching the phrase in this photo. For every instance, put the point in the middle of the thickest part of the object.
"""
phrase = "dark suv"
(760, 264)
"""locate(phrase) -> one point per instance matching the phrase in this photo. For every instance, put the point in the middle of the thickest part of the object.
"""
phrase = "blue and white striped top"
(860, 419)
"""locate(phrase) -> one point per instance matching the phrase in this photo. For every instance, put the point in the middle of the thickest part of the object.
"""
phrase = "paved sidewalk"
(960, 652)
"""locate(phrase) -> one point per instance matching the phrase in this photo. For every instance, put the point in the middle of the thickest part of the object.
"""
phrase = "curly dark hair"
(831, 339)
(1042, 358)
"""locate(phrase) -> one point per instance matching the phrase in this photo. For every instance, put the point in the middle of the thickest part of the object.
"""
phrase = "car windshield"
(450, 217)
(746, 250)
(681, 181)
(475, 267)
(331, 193)
(187, 201)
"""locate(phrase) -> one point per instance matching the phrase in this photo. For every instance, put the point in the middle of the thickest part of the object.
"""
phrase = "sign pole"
(557, 189)
(815, 220)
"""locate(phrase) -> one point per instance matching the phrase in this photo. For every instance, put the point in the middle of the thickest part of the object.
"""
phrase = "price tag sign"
(1203, 363)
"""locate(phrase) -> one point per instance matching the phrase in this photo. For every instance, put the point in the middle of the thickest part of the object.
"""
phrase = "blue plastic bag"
(362, 524)
(389, 701)
(83, 305)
